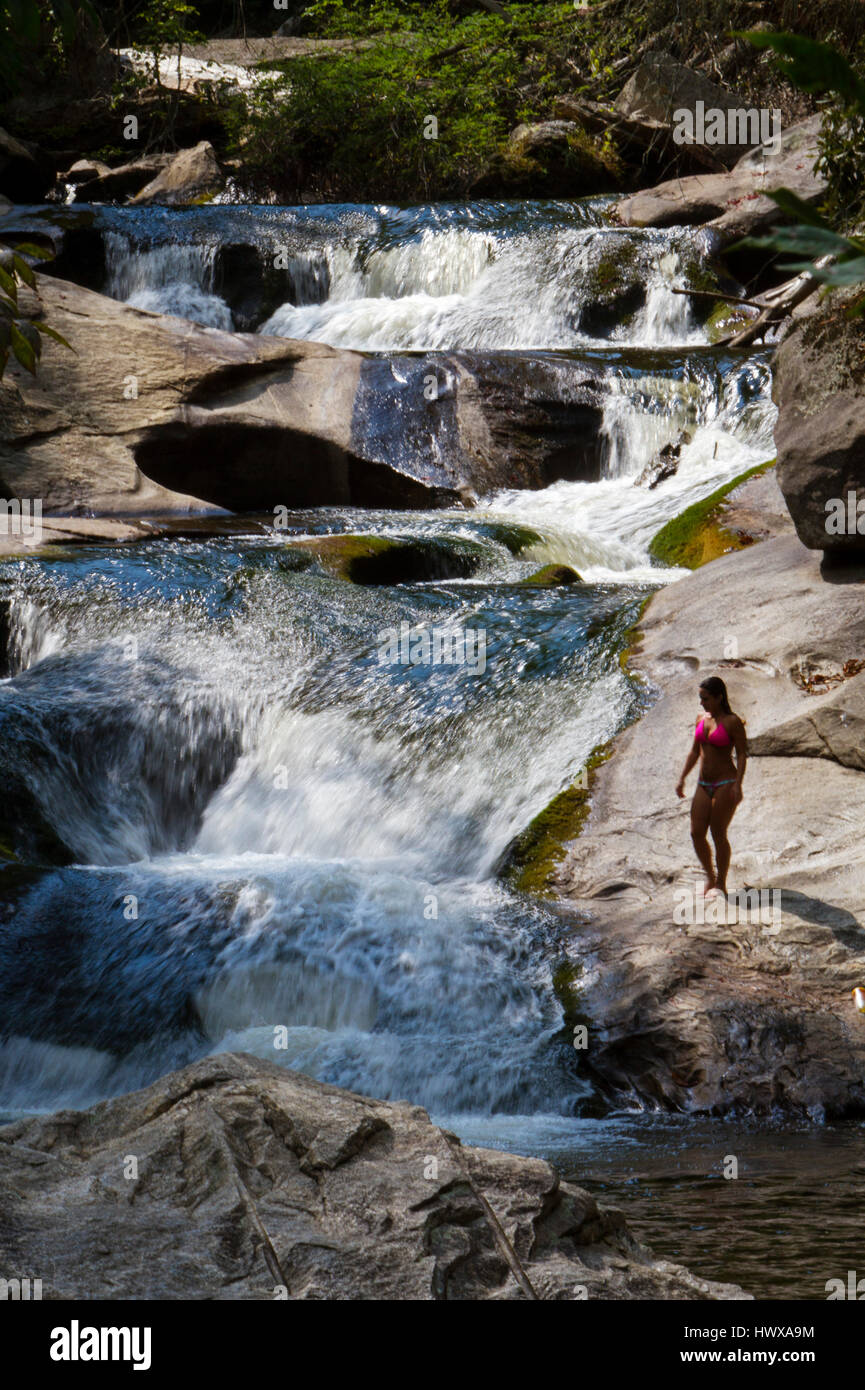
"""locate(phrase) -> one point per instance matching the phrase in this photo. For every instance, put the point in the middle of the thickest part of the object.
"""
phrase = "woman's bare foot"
(708, 886)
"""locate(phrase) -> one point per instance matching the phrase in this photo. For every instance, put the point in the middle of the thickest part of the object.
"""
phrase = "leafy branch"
(826, 255)
(21, 337)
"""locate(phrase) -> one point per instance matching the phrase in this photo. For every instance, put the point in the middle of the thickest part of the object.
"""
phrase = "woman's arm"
(693, 757)
(740, 747)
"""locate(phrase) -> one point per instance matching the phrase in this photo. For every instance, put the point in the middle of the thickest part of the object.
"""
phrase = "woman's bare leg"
(723, 807)
(701, 810)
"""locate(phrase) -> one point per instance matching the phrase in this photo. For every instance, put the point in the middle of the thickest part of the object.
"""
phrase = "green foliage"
(820, 69)
(813, 67)
(355, 124)
(164, 26)
(19, 336)
(36, 37)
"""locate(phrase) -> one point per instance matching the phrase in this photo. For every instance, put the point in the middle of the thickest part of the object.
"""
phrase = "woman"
(719, 789)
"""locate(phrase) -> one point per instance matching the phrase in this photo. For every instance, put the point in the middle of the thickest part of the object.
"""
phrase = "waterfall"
(166, 279)
(380, 280)
(257, 830)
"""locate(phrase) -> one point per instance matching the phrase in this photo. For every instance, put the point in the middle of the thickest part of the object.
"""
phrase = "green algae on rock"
(391, 560)
(552, 577)
(531, 857)
(696, 535)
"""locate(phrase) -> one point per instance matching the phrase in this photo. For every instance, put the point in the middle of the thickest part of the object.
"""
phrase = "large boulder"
(246, 278)
(660, 87)
(639, 140)
(151, 411)
(819, 388)
(734, 203)
(254, 1182)
(190, 177)
(550, 158)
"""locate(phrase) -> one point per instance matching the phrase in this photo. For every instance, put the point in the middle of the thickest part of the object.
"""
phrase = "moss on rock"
(724, 319)
(388, 560)
(696, 535)
(551, 577)
(531, 858)
(511, 535)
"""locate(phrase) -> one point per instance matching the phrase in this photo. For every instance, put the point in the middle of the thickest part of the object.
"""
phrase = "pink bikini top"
(718, 736)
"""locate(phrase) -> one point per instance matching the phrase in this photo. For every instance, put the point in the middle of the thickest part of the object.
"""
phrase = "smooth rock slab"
(153, 414)
(734, 203)
(255, 1181)
(752, 1013)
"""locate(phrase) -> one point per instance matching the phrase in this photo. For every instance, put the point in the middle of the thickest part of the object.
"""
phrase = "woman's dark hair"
(713, 685)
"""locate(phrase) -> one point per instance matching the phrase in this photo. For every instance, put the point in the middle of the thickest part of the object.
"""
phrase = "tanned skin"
(714, 813)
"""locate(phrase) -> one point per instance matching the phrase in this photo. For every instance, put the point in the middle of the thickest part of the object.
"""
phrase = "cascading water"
(240, 826)
(485, 276)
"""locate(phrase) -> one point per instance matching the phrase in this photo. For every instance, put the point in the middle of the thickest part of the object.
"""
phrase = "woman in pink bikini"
(719, 789)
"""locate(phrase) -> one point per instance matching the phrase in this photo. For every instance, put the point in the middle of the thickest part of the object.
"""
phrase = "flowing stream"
(256, 822)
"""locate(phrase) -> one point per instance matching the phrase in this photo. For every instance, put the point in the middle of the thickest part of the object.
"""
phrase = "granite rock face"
(660, 87)
(819, 374)
(153, 415)
(191, 176)
(253, 1182)
(733, 203)
(744, 1007)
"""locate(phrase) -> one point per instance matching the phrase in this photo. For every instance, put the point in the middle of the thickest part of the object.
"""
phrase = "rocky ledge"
(236, 1179)
(744, 1008)
(153, 415)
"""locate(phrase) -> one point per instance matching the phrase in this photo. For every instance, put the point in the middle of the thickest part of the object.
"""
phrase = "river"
(264, 834)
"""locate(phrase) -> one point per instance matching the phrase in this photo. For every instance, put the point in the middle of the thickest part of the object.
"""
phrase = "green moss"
(530, 860)
(567, 978)
(632, 641)
(552, 577)
(609, 269)
(696, 535)
(700, 275)
(512, 536)
(389, 560)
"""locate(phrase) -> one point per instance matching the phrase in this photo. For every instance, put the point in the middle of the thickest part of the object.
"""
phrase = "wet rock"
(744, 1007)
(191, 176)
(67, 233)
(614, 288)
(255, 1182)
(820, 432)
(253, 287)
(153, 412)
(376, 560)
(155, 415)
(664, 465)
(734, 203)
(515, 421)
(552, 577)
